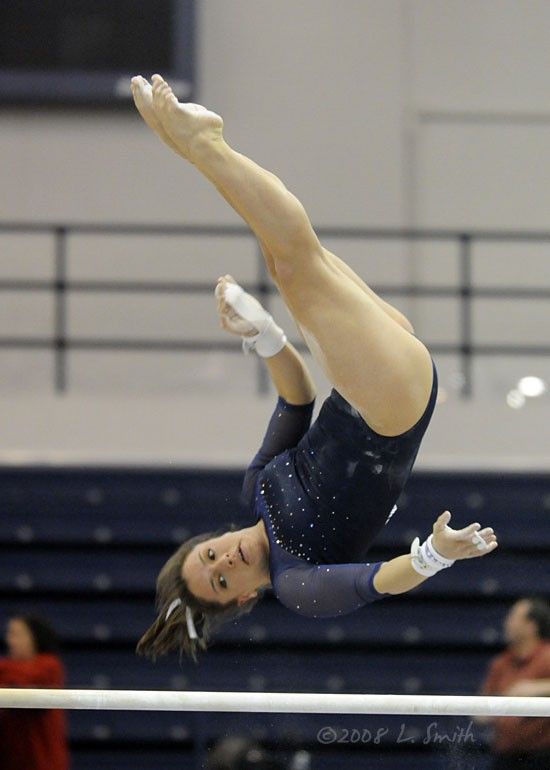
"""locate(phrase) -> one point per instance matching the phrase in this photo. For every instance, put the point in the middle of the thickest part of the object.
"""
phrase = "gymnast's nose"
(230, 559)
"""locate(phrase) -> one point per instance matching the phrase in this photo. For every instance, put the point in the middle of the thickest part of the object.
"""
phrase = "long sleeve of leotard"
(288, 424)
(327, 590)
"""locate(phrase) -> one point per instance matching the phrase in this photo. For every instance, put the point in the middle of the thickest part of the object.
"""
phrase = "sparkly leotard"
(324, 492)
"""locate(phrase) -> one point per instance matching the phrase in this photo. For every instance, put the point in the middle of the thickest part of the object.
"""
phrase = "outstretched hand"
(467, 543)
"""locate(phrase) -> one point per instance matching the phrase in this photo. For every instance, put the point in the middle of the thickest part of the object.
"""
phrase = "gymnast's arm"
(290, 376)
(398, 575)
(287, 368)
(292, 415)
(327, 590)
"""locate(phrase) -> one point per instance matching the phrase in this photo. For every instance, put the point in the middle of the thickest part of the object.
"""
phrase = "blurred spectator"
(32, 739)
(523, 669)
(240, 753)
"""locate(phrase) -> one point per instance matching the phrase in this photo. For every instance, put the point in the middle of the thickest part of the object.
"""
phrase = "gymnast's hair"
(171, 634)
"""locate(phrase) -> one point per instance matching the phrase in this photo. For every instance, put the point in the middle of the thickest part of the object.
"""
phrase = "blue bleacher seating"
(504, 574)
(398, 620)
(83, 547)
(135, 508)
(300, 670)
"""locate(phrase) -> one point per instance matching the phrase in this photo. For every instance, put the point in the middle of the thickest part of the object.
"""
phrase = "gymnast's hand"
(230, 320)
(467, 543)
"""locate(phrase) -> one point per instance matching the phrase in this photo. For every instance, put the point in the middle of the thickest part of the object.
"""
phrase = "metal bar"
(128, 345)
(274, 702)
(23, 285)
(26, 343)
(511, 350)
(191, 346)
(264, 289)
(139, 228)
(209, 346)
(466, 313)
(509, 292)
(60, 331)
(124, 287)
(484, 117)
(370, 233)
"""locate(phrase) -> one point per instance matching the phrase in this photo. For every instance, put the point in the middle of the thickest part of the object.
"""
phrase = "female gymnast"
(317, 495)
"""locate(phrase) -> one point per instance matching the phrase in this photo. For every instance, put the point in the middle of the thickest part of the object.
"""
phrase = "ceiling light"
(531, 386)
(515, 399)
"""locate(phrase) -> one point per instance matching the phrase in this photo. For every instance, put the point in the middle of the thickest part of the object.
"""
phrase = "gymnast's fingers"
(468, 532)
(490, 547)
(442, 521)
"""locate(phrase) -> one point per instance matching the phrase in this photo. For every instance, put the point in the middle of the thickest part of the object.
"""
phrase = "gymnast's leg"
(347, 270)
(372, 360)
(144, 103)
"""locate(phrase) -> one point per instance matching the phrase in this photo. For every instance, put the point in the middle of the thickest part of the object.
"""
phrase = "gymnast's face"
(229, 567)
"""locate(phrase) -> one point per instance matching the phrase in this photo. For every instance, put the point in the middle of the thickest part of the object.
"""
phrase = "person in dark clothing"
(318, 495)
(33, 739)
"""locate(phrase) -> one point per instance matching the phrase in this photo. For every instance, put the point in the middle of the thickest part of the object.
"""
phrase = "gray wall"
(375, 113)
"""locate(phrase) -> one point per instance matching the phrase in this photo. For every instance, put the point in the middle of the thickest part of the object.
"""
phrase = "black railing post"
(264, 296)
(466, 343)
(60, 316)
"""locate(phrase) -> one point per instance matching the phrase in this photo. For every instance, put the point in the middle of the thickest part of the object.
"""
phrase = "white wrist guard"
(267, 343)
(270, 339)
(426, 560)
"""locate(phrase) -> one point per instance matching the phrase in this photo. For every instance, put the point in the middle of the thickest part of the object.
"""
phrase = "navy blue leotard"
(324, 492)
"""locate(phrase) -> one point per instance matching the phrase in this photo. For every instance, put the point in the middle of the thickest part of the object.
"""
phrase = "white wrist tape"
(426, 560)
(270, 339)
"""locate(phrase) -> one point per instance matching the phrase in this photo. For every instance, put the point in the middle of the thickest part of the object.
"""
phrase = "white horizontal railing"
(297, 703)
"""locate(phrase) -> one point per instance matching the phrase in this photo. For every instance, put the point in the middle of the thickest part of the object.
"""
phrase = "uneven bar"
(299, 703)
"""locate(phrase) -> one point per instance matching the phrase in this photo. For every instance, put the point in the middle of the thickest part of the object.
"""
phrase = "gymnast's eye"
(210, 553)
(223, 582)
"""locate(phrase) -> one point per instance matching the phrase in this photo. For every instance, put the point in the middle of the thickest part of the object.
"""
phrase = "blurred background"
(416, 133)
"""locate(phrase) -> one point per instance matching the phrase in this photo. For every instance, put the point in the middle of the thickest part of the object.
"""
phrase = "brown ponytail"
(167, 635)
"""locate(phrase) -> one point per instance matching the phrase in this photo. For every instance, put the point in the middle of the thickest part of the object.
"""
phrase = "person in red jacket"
(32, 739)
(523, 669)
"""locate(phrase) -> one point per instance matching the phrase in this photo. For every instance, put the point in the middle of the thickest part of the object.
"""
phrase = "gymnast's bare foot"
(191, 127)
(143, 99)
